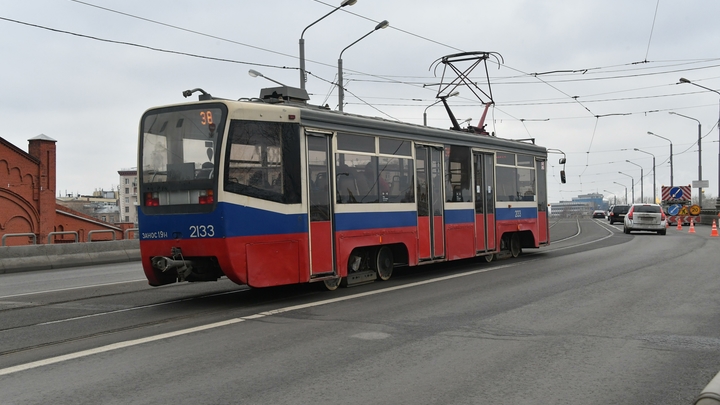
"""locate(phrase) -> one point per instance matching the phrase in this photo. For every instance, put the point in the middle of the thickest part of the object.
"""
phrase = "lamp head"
(347, 3)
(383, 24)
(254, 73)
(684, 80)
(636, 149)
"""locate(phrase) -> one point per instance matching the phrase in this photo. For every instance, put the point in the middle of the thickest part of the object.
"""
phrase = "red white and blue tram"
(273, 191)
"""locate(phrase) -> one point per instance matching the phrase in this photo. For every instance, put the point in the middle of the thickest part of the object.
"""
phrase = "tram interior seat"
(347, 188)
(457, 194)
(320, 189)
(366, 191)
(206, 171)
(320, 181)
(395, 186)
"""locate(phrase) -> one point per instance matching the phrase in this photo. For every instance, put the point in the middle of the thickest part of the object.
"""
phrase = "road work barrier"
(14, 259)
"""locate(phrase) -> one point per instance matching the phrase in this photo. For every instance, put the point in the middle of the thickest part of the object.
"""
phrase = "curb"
(16, 259)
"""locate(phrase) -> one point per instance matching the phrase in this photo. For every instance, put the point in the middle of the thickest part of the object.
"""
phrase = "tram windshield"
(179, 144)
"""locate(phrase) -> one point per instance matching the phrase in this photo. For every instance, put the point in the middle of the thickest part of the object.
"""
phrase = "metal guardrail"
(91, 233)
(12, 235)
(51, 234)
(133, 230)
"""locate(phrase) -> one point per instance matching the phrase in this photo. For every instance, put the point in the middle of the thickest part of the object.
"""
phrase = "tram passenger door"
(543, 220)
(484, 201)
(319, 206)
(431, 229)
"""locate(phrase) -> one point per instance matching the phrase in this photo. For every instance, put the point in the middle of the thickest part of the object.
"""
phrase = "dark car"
(598, 214)
(617, 213)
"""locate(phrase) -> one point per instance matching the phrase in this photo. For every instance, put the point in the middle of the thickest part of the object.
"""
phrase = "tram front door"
(429, 172)
(320, 207)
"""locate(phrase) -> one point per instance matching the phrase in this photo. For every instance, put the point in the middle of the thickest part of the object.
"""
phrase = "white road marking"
(135, 342)
(70, 288)
(134, 308)
(570, 237)
(114, 346)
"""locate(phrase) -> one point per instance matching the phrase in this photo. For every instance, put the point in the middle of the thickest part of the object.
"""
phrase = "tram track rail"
(263, 299)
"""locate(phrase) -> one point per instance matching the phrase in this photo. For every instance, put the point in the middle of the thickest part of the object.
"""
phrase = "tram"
(274, 191)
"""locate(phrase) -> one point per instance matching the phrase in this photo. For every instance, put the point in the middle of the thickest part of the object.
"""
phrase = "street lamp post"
(341, 90)
(626, 200)
(632, 186)
(671, 156)
(642, 187)
(614, 195)
(717, 200)
(654, 184)
(453, 94)
(302, 41)
(699, 150)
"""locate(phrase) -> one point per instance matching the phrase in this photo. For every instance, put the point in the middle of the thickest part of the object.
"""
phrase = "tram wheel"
(332, 284)
(489, 258)
(515, 248)
(384, 263)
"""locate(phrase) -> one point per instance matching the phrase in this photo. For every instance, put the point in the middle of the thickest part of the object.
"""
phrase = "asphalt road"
(598, 317)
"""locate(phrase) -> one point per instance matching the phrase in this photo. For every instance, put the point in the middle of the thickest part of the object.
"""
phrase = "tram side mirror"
(562, 176)
(562, 161)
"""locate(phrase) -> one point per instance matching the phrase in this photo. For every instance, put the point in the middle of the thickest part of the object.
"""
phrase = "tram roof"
(340, 121)
(323, 118)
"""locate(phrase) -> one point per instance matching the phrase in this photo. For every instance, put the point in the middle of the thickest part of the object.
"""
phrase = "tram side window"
(526, 184)
(506, 189)
(458, 173)
(356, 178)
(364, 175)
(396, 176)
(263, 161)
(515, 184)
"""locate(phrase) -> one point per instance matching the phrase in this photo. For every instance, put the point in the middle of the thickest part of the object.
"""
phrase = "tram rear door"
(320, 204)
(484, 201)
(431, 229)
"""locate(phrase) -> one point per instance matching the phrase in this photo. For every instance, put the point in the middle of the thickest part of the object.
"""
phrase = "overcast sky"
(617, 66)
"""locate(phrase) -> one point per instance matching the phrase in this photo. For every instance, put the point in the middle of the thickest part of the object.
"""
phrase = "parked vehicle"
(617, 213)
(645, 217)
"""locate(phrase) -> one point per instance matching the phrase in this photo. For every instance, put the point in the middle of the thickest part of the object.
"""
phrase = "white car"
(645, 217)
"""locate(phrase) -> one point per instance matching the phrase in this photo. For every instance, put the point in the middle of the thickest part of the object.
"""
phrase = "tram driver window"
(263, 161)
(457, 172)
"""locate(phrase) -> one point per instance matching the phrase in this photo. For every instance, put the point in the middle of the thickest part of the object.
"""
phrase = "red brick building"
(27, 198)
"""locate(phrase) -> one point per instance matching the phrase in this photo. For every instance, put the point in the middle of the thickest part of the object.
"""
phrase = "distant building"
(27, 198)
(594, 199)
(582, 205)
(128, 195)
(102, 205)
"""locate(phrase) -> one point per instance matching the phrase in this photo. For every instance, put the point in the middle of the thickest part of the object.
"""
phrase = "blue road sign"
(676, 194)
(675, 208)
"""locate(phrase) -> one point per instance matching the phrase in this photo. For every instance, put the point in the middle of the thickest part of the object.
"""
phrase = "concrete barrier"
(14, 259)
